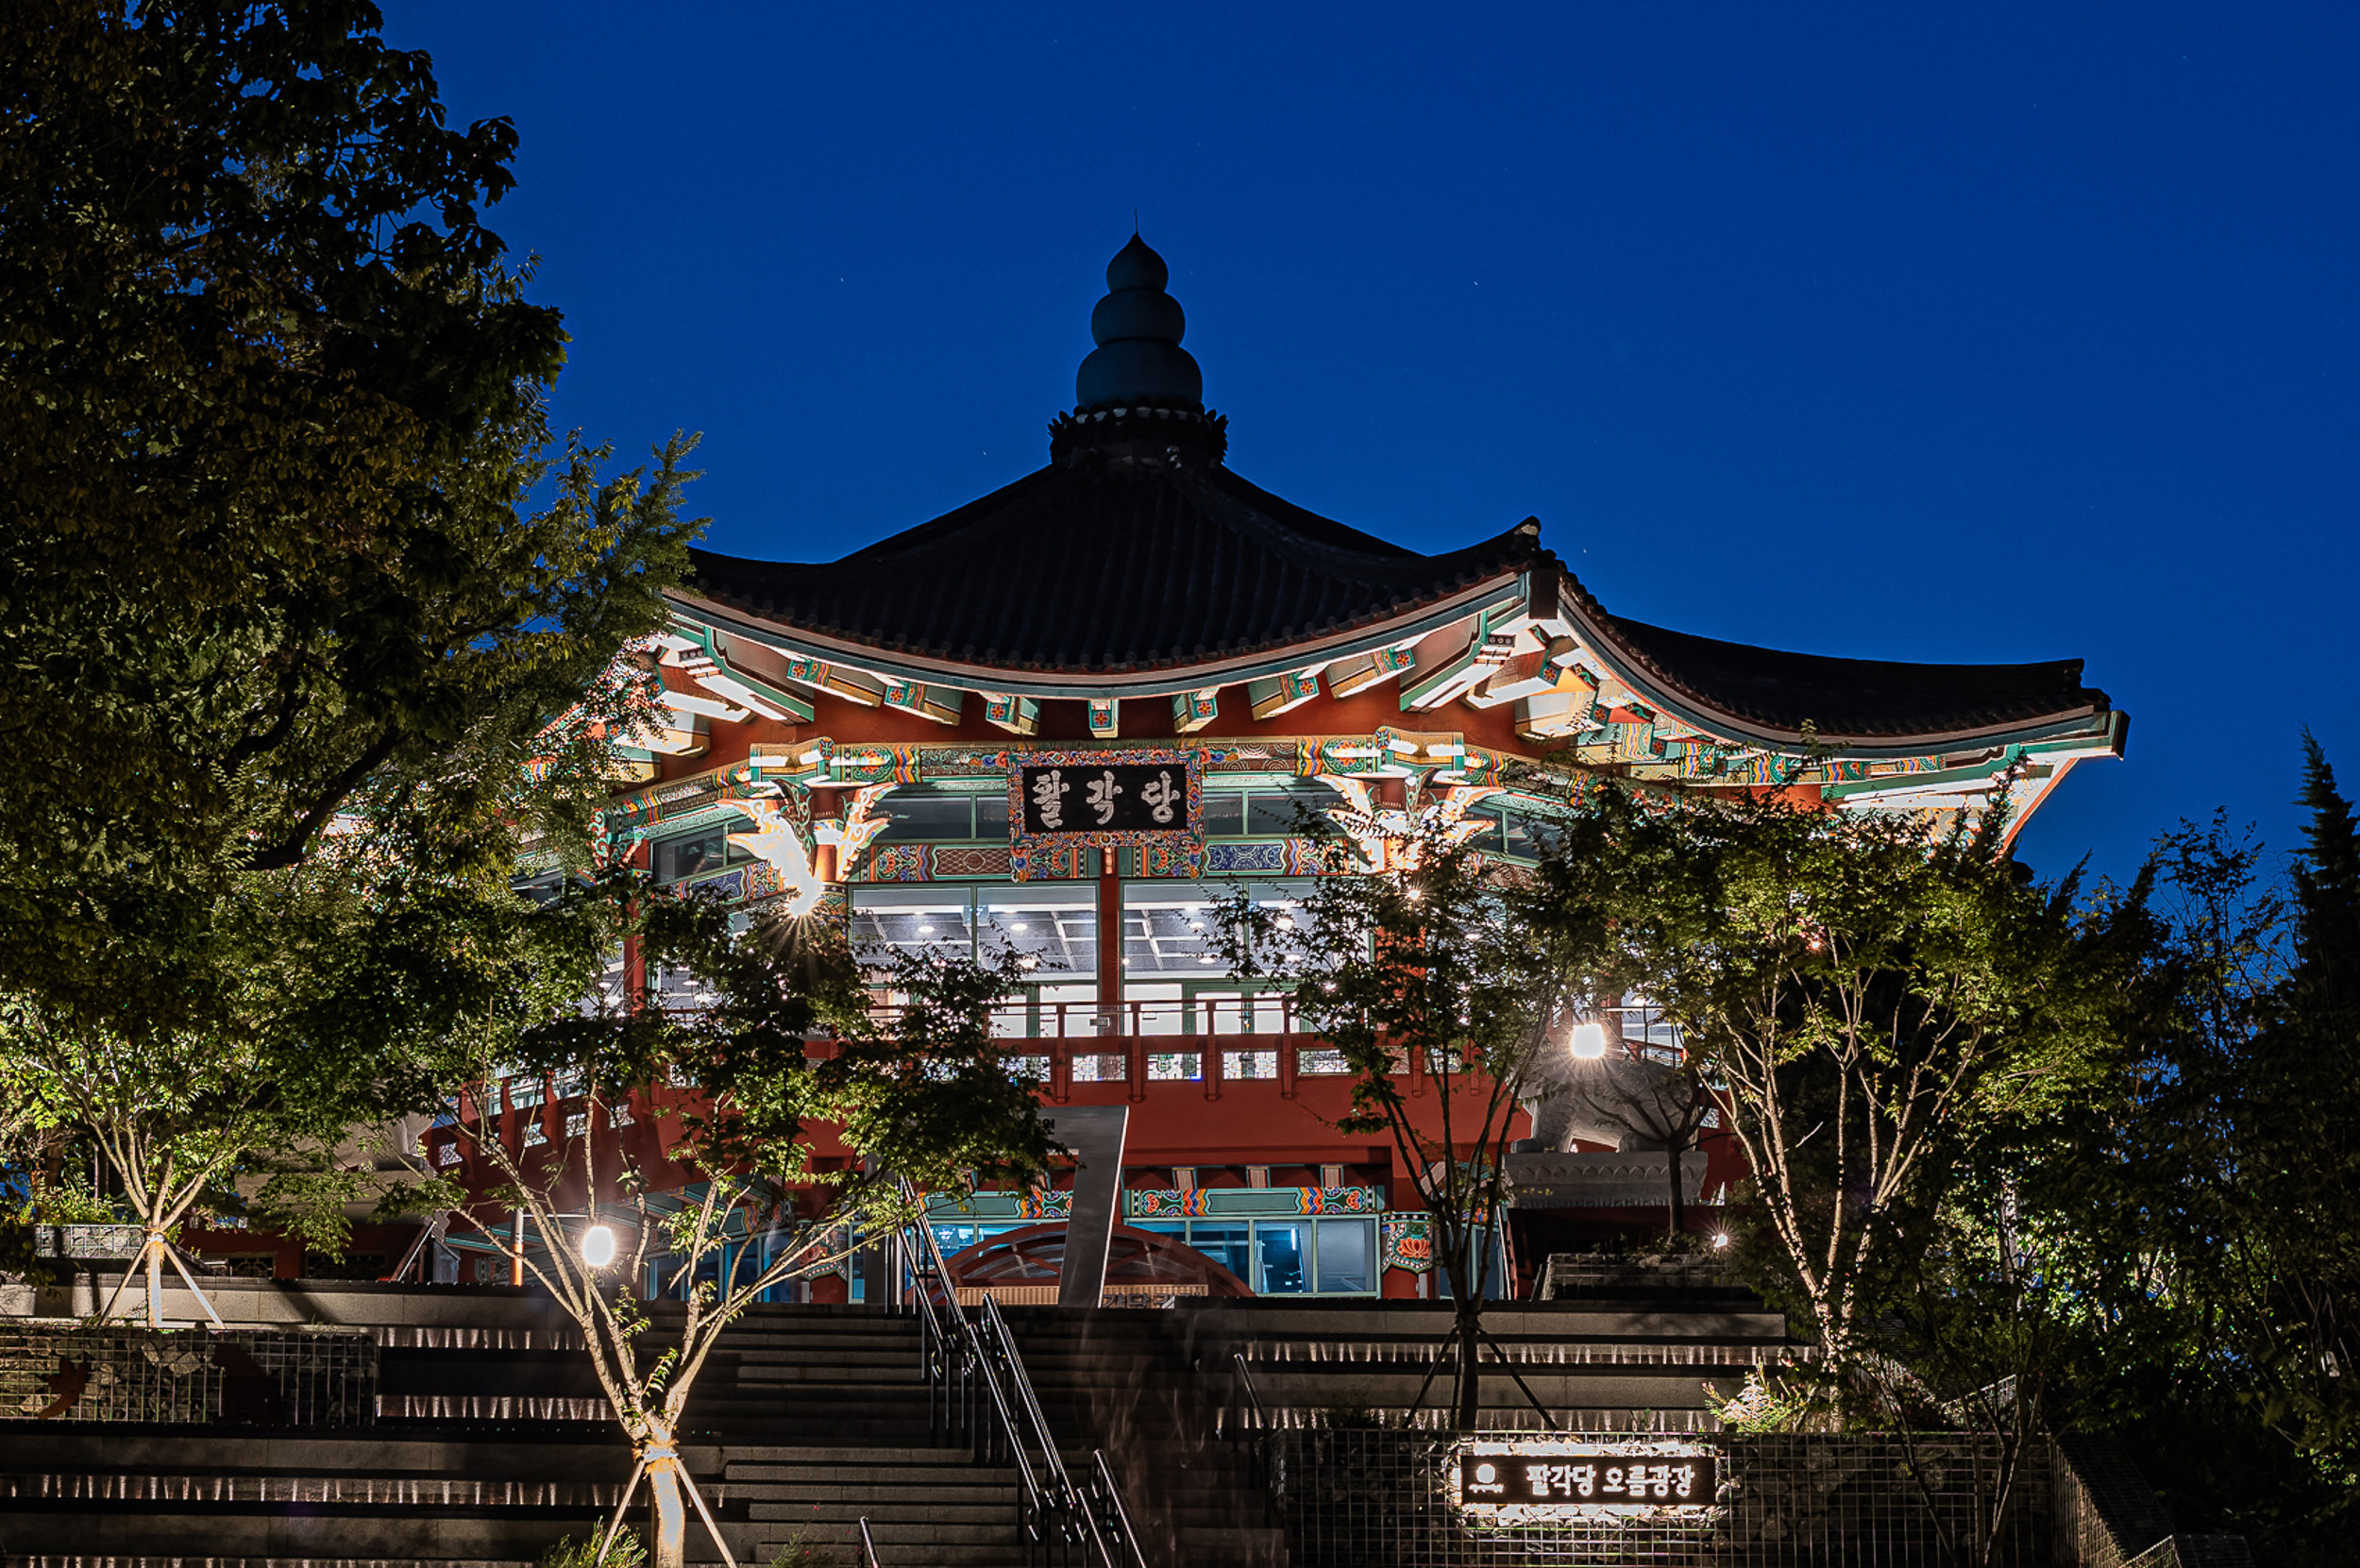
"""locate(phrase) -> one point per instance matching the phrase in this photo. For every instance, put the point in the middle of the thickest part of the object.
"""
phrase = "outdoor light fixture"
(1587, 1041)
(1720, 1239)
(598, 1246)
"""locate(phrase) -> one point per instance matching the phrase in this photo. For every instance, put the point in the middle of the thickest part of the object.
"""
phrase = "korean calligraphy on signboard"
(1541, 1477)
(1100, 800)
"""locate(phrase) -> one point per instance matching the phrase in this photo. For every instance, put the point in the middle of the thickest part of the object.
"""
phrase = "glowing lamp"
(1720, 1239)
(598, 1246)
(1589, 1040)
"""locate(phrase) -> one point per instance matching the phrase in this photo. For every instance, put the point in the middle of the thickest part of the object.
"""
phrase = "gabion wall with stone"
(272, 1377)
(1382, 1499)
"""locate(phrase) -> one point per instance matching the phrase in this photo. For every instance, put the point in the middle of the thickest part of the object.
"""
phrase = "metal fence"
(302, 1377)
(1382, 1499)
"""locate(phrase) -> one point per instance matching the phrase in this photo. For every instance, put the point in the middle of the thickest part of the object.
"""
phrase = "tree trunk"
(1470, 1389)
(154, 1253)
(1679, 1203)
(667, 1513)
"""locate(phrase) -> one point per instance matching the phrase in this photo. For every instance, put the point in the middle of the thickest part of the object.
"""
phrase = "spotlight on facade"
(598, 1246)
(1720, 1239)
(1588, 1042)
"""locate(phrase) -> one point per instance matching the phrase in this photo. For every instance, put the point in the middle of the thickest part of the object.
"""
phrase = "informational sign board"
(1544, 1478)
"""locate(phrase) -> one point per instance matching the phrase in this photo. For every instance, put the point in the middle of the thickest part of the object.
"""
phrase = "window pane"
(922, 814)
(1249, 1064)
(1324, 1063)
(1224, 813)
(901, 917)
(1229, 1244)
(680, 859)
(1282, 811)
(1278, 1252)
(1278, 945)
(1176, 1065)
(1488, 839)
(1170, 928)
(1526, 835)
(991, 816)
(1102, 1067)
(1346, 1246)
(1055, 925)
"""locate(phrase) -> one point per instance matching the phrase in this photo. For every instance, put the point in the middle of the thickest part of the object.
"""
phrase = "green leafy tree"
(271, 411)
(774, 1033)
(1439, 961)
(358, 997)
(2203, 1211)
(1863, 992)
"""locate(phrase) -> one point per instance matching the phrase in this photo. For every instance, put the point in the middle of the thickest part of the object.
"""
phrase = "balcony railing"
(1644, 1029)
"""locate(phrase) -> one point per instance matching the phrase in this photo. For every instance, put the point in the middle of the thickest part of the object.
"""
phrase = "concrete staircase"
(811, 1417)
(806, 1420)
(1126, 1383)
(818, 1416)
(86, 1494)
(1595, 1364)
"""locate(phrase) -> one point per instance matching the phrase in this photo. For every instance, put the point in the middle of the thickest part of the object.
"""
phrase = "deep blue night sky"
(1929, 332)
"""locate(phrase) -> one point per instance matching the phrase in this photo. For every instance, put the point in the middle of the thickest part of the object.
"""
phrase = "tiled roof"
(1110, 569)
(1854, 697)
(1144, 568)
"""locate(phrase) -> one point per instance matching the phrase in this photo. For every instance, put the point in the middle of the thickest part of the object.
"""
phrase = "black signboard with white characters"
(1094, 798)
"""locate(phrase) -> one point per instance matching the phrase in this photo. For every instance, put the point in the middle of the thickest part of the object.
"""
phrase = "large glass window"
(917, 815)
(1279, 1258)
(1171, 928)
(906, 916)
(1284, 811)
(1268, 810)
(1507, 831)
(1051, 925)
(706, 850)
(1224, 813)
(1227, 1242)
(1345, 1249)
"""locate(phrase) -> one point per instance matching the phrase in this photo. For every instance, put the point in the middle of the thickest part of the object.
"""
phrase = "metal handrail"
(1245, 1379)
(1082, 1503)
(868, 1546)
(1007, 1428)
(996, 1325)
(1049, 1502)
(1112, 1496)
(1035, 1504)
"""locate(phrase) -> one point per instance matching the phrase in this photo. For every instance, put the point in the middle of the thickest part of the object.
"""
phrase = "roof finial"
(1139, 362)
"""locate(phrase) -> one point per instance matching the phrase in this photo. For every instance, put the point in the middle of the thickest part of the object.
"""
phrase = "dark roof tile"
(1080, 568)
(1854, 697)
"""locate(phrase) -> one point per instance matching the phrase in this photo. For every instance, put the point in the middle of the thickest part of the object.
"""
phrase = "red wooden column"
(1110, 940)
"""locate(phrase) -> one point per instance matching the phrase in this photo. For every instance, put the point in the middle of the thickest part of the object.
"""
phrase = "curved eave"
(1163, 680)
(2101, 725)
